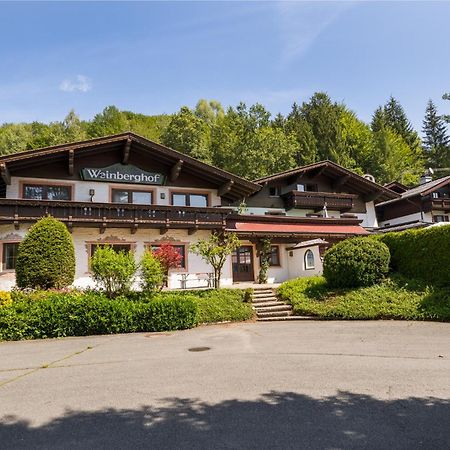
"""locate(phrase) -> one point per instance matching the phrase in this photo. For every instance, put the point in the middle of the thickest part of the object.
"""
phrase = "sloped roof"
(421, 190)
(396, 186)
(333, 170)
(238, 187)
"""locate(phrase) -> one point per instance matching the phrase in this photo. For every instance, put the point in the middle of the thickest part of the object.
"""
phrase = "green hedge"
(46, 257)
(81, 314)
(359, 261)
(422, 254)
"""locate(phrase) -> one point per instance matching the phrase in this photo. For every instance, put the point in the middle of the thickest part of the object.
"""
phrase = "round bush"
(356, 262)
(46, 256)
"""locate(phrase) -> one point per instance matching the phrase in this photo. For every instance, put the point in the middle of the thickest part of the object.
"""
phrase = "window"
(46, 192)
(309, 260)
(182, 199)
(130, 196)
(180, 248)
(435, 194)
(307, 187)
(440, 218)
(274, 258)
(274, 191)
(9, 255)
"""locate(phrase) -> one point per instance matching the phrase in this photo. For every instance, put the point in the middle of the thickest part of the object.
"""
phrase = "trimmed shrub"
(82, 314)
(152, 272)
(356, 262)
(113, 271)
(46, 256)
(422, 254)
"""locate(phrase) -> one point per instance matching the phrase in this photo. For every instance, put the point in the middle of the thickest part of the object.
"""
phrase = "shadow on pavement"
(276, 420)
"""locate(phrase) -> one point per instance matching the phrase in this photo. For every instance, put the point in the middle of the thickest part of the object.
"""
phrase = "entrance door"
(242, 260)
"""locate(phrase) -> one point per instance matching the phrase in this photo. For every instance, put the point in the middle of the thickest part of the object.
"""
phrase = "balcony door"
(242, 261)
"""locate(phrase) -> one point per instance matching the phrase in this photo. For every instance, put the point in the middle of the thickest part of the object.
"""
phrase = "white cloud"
(301, 23)
(80, 83)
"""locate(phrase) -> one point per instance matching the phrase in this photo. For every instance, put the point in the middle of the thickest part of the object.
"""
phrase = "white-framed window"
(440, 218)
(309, 260)
(9, 255)
(274, 191)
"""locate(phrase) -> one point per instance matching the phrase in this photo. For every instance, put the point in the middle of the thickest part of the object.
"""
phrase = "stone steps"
(269, 308)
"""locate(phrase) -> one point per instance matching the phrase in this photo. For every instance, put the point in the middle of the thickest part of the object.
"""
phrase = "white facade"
(369, 218)
(80, 190)
(84, 238)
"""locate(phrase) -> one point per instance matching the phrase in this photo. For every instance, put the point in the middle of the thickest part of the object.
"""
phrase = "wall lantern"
(91, 194)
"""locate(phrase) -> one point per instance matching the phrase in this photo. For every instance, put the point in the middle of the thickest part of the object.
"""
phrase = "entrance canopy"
(298, 228)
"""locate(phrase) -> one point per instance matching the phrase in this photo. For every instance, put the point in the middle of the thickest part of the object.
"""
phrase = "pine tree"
(378, 120)
(397, 121)
(436, 143)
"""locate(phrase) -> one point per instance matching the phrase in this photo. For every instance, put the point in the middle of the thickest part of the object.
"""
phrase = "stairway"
(269, 308)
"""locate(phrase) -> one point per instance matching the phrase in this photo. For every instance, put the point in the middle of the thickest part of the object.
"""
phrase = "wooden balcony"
(113, 215)
(317, 200)
(441, 204)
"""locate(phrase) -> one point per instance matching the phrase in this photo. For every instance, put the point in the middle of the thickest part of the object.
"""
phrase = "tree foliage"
(436, 142)
(249, 141)
(215, 251)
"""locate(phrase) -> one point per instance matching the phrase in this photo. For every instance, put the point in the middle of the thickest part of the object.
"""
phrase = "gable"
(68, 161)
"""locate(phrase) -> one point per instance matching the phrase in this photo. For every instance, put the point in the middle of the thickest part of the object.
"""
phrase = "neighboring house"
(133, 194)
(318, 201)
(418, 207)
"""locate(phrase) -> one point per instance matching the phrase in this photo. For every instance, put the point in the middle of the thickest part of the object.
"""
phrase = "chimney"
(427, 176)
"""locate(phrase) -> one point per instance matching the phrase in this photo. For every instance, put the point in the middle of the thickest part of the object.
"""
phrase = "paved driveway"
(305, 385)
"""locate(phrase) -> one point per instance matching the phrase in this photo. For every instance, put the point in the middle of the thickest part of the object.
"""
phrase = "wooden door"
(242, 260)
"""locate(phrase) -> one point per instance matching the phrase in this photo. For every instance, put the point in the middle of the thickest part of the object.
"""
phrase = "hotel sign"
(121, 173)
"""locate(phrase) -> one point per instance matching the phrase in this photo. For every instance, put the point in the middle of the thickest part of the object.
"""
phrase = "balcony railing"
(317, 200)
(106, 215)
(441, 204)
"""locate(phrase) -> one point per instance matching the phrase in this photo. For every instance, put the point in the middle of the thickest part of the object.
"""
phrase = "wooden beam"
(71, 161)
(176, 170)
(319, 172)
(126, 151)
(372, 197)
(341, 181)
(225, 188)
(4, 173)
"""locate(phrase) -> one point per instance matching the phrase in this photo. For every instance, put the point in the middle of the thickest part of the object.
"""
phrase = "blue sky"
(155, 57)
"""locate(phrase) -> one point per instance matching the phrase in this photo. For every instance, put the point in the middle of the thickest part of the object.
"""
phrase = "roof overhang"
(228, 185)
(342, 177)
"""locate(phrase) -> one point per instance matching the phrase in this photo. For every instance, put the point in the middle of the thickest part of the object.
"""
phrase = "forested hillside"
(250, 142)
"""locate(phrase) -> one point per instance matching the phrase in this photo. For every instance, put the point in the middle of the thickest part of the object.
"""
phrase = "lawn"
(218, 305)
(393, 298)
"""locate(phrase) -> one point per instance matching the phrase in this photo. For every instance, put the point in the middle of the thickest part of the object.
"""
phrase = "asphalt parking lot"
(327, 385)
